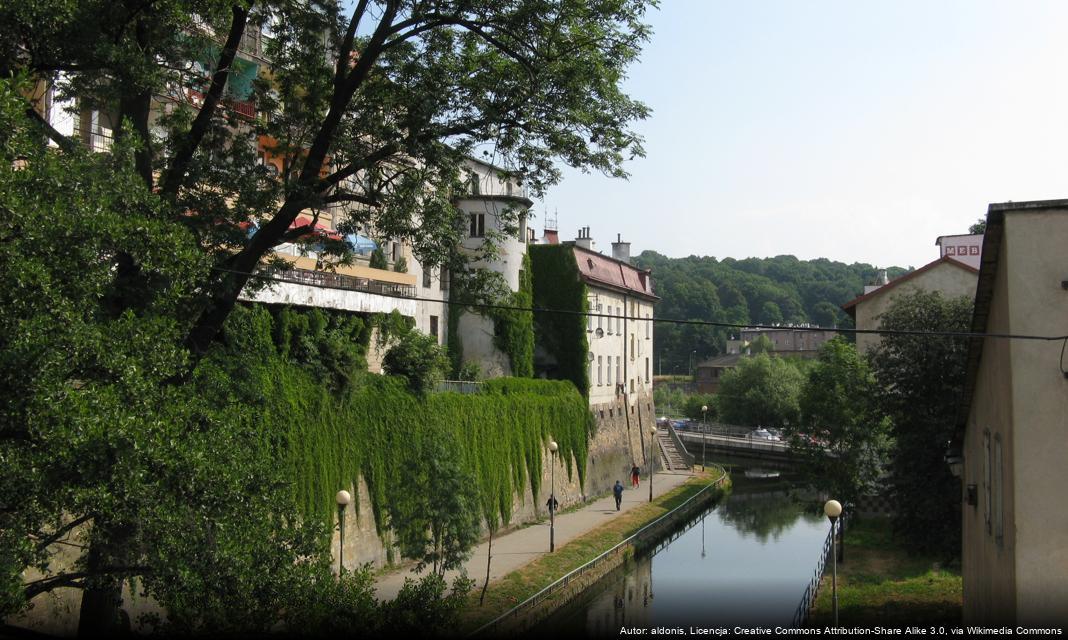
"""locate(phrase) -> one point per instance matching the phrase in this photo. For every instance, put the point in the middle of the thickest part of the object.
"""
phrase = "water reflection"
(746, 562)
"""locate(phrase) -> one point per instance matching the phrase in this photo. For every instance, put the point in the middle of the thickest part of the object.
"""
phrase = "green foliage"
(419, 359)
(513, 329)
(691, 407)
(760, 391)
(378, 259)
(469, 371)
(918, 378)
(436, 515)
(401, 265)
(978, 227)
(668, 400)
(561, 337)
(839, 415)
(762, 344)
(750, 291)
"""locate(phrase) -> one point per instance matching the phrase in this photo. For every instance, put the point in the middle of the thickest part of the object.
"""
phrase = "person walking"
(552, 504)
(617, 491)
(635, 475)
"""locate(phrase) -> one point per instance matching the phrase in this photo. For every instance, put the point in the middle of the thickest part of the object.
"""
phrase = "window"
(999, 492)
(619, 370)
(619, 320)
(599, 318)
(632, 346)
(472, 181)
(434, 327)
(648, 326)
(508, 187)
(608, 371)
(478, 225)
(647, 369)
(426, 278)
(599, 380)
(442, 281)
(395, 251)
(986, 481)
(589, 323)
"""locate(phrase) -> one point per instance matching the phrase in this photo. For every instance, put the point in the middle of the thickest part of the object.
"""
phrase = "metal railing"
(97, 139)
(329, 280)
(808, 598)
(636, 539)
(459, 386)
(687, 457)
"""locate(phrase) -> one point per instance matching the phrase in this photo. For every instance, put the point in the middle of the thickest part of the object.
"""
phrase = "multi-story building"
(1012, 424)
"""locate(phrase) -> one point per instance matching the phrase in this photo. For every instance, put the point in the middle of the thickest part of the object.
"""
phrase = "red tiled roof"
(601, 270)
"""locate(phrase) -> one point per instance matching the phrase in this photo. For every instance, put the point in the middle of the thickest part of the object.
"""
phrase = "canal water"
(746, 561)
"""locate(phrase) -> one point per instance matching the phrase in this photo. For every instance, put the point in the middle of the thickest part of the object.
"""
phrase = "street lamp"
(704, 433)
(343, 499)
(553, 447)
(652, 459)
(833, 509)
(692, 354)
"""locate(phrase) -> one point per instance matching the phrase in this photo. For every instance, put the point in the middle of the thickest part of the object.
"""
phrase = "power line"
(674, 321)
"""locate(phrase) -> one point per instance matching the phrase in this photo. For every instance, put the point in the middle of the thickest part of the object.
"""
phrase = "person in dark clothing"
(635, 474)
(617, 491)
(551, 503)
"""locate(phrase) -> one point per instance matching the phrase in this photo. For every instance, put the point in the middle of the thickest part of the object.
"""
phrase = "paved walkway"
(515, 549)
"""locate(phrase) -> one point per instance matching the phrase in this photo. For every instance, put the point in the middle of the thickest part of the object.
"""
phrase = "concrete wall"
(345, 300)
(612, 451)
(987, 565)
(952, 281)
(1021, 398)
(1035, 462)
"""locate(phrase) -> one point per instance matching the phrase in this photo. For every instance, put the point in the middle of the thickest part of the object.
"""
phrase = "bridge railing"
(687, 457)
(643, 536)
(808, 598)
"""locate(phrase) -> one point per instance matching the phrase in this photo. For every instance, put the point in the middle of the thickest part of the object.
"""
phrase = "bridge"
(736, 441)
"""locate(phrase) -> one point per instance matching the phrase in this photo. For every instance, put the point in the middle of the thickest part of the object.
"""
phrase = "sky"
(854, 131)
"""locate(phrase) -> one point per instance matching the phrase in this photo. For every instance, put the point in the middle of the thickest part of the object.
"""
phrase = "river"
(744, 562)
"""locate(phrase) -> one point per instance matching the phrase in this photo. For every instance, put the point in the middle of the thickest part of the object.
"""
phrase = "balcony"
(361, 292)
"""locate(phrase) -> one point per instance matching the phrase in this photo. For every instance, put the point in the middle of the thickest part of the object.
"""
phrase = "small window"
(608, 371)
(472, 181)
(478, 225)
(426, 278)
(599, 318)
(434, 327)
(599, 379)
(442, 279)
(619, 370)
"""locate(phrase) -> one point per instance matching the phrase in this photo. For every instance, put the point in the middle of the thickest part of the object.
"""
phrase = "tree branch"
(183, 156)
(62, 531)
(63, 141)
(37, 587)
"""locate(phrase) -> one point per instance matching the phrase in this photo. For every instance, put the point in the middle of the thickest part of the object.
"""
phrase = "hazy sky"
(855, 131)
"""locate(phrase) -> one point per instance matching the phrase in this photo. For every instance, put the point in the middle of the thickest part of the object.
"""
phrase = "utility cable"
(674, 321)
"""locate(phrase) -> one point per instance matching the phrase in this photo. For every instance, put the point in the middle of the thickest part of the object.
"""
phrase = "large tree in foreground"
(371, 103)
(120, 269)
(920, 377)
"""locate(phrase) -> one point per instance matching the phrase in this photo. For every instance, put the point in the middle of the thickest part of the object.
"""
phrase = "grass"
(522, 583)
(881, 583)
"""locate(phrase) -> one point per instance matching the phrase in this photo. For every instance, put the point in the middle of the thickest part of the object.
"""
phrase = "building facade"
(946, 275)
(1012, 424)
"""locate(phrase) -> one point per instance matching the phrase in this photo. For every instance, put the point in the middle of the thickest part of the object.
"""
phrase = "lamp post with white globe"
(704, 433)
(652, 459)
(553, 448)
(343, 499)
(833, 509)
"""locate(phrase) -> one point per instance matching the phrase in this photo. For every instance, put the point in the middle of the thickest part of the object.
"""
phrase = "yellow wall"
(358, 271)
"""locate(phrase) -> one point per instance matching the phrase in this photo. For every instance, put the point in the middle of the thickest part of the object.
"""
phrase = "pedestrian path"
(519, 547)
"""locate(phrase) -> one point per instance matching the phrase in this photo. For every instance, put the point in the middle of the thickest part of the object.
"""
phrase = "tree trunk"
(101, 609)
(489, 558)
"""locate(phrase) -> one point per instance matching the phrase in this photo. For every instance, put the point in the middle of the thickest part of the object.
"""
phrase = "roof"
(603, 271)
(849, 306)
(938, 241)
(728, 360)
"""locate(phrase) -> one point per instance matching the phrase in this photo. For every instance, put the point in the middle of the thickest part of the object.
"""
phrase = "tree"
(760, 391)
(762, 344)
(383, 121)
(979, 227)
(839, 417)
(919, 379)
(419, 358)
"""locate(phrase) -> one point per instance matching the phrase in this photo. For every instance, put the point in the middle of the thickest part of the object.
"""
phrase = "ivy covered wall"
(561, 337)
(330, 426)
(513, 329)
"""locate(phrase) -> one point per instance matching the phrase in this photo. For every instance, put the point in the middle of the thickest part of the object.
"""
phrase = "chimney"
(620, 249)
(882, 280)
(551, 237)
(584, 240)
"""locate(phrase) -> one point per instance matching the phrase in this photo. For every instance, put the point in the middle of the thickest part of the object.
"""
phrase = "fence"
(459, 386)
(808, 598)
(337, 281)
(595, 568)
(687, 457)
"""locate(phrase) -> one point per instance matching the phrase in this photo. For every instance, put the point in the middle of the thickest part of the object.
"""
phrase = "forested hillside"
(750, 291)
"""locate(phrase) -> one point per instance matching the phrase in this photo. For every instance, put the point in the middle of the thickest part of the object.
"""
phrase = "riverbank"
(521, 584)
(880, 583)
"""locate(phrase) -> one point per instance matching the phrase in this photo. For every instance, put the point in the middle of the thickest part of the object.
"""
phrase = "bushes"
(419, 359)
